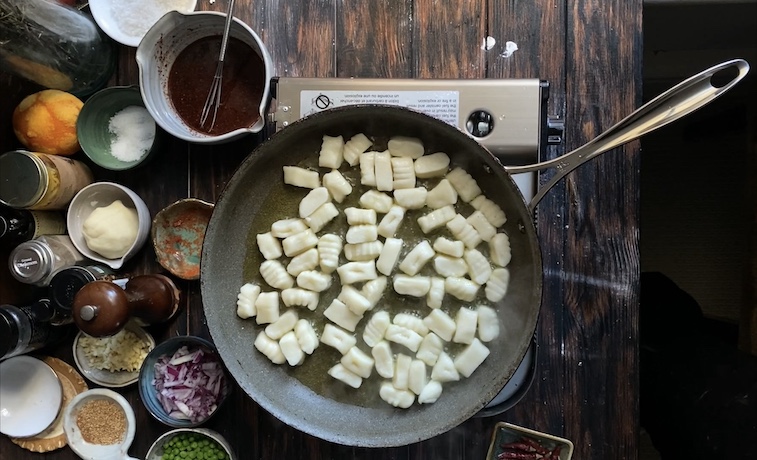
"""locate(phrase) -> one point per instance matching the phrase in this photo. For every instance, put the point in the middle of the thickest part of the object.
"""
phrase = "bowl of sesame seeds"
(99, 423)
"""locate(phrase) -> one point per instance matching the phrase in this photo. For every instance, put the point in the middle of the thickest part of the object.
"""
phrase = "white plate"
(107, 378)
(30, 396)
(134, 18)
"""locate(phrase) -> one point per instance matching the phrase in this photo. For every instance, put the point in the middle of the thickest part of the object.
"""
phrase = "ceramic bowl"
(30, 396)
(178, 231)
(104, 377)
(505, 433)
(90, 450)
(157, 449)
(158, 51)
(100, 194)
(121, 25)
(147, 391)
(92, 126)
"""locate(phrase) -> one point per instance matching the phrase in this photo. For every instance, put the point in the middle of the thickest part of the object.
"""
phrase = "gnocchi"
(301, 177)
(432, 165)
(269, 246)
(299, 262)
(329, 248)
(337, 185)
(313, 200)
(403, 174)
(357, 144)
(342, 316)
(332, 152)
(376, 328)
(337, 338)
(417, 258)
(308, 260)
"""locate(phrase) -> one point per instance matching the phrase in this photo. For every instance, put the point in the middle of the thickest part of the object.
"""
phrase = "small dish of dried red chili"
(513, 442)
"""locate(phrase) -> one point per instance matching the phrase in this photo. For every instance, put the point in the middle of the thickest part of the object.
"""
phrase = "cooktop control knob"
(480, 123)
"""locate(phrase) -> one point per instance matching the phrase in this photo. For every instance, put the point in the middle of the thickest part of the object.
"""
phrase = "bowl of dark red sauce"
(177, 61)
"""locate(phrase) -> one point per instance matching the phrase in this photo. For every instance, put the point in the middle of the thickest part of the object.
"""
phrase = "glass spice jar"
(68, 281)
(54, 45)
(38, 181)
(35, 261)
(18, 225)
(27, 328)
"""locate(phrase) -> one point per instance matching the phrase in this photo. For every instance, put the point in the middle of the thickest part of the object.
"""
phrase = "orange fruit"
(46, 122)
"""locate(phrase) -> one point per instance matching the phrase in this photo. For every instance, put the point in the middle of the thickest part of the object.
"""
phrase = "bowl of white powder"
(115, 130)
(128, 21)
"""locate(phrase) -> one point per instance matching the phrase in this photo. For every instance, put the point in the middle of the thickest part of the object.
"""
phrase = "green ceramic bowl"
(95, 137)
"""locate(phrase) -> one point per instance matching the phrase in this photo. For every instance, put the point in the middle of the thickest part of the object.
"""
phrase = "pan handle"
(677, 102)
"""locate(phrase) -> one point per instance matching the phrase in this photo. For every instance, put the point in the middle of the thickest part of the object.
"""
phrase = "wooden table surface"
(586, 386)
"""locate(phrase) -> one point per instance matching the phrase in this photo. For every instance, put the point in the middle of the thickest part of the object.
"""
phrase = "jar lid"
(31, 261)
(23, 179)
(65, 284)
(9, 333)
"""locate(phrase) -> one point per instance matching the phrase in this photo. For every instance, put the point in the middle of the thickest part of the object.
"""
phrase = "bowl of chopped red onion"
(183, 382)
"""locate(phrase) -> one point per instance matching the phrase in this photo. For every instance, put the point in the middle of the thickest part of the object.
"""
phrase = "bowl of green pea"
(191, 444)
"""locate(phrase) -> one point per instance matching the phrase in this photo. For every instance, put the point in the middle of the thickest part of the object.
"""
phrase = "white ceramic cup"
(101, 194)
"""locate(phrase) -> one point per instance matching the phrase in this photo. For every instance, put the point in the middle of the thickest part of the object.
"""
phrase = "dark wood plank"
(447, 39)
(540, 54)
(374, 39)
(601, 277)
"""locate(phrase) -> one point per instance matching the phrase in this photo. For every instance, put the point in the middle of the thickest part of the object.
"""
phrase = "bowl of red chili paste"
(177, 61)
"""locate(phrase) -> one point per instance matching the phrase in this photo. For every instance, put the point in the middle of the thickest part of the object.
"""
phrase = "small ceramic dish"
(96, 137)
(128, 22)
(101, 194)
(30, 396)
(507, 433)
(78, 432)
(103, 377)
(148, 393)
(157, 449)
(178, 231)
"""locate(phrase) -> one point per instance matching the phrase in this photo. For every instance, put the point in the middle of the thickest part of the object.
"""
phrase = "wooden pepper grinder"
(102, 308)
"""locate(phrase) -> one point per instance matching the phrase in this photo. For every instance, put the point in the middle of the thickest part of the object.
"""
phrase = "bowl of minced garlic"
(113, 361)
(99, 423)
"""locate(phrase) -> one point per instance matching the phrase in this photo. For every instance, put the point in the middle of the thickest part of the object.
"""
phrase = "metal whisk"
(213, 101)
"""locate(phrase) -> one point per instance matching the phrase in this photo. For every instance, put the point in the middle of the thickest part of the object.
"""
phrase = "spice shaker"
(68, 281)
(35, 261)
(55, 46)
(18, 225)
(102, 308)
(40, 181)
(28, 328)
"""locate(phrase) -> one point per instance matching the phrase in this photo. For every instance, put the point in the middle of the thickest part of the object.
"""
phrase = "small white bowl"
(101, 194)
(156, 450)
(157, 52)
(117, 379)
(115, 23)
(30, 396)
(87, 450)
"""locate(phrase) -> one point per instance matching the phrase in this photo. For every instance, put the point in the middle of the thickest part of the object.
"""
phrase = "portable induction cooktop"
(507, 116)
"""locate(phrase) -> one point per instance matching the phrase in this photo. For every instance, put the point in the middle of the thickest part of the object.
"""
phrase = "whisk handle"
(226, 29)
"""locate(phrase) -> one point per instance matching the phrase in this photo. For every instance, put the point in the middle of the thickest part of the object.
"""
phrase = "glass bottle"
(68, 281)
(28, 328)
(19, 225)
(54, 45)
